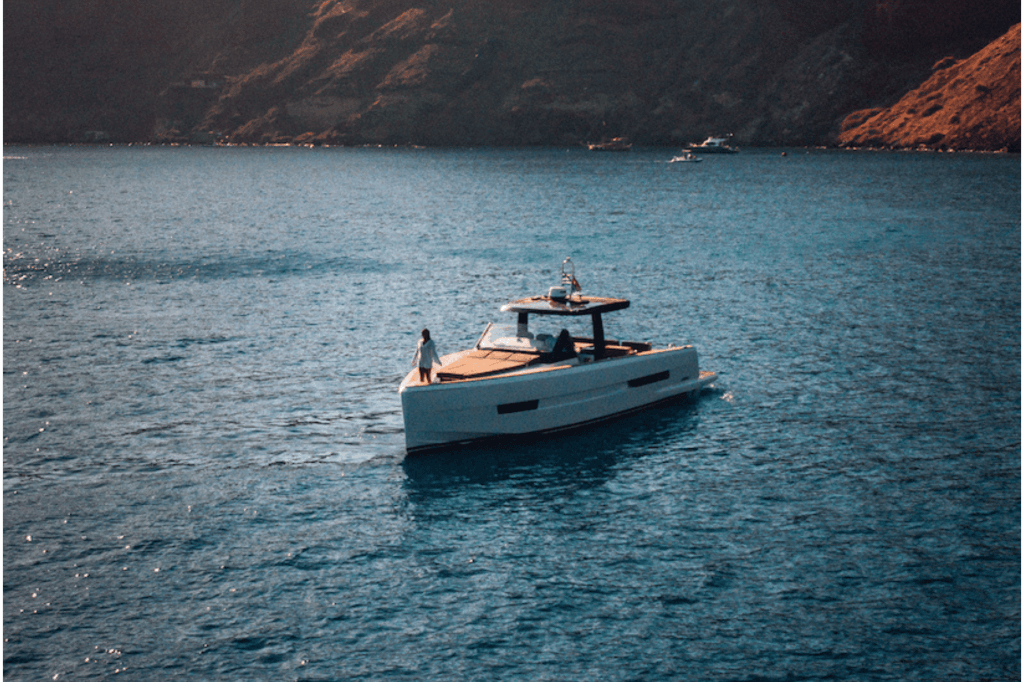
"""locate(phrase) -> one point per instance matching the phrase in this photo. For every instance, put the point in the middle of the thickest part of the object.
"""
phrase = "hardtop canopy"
(570, 306)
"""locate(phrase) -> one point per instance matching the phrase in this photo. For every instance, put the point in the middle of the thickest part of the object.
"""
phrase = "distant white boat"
(687, 157)
(714, 145)
(515, 382)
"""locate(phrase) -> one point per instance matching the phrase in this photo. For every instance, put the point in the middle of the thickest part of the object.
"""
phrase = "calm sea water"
(204, 466)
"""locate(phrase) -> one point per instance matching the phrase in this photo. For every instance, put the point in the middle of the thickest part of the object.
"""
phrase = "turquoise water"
(204, 466)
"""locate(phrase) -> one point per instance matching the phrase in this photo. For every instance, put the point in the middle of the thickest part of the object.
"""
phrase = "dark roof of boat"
(577, 305)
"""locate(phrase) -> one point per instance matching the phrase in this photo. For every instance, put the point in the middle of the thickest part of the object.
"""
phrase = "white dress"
(426, 354)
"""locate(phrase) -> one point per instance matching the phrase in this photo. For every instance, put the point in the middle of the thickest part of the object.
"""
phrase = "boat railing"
(483, 336)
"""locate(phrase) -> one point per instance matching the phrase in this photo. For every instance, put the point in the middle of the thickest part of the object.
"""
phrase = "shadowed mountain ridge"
(772, 72)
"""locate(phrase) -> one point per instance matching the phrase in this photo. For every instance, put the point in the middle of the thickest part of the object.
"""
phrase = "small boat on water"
(714, 145)
(515, 381)
(686, 157)
(616, 144)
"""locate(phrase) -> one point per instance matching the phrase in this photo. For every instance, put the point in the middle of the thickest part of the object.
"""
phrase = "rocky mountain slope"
(504, 72)
(968, 104)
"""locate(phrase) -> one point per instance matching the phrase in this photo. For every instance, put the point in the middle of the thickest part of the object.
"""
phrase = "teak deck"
(483, 363)
(480, 363)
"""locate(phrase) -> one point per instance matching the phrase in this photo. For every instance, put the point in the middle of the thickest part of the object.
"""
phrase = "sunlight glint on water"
(204, 468)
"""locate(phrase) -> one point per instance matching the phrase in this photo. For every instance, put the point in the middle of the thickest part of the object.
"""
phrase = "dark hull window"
(649, 379)
(525, 406)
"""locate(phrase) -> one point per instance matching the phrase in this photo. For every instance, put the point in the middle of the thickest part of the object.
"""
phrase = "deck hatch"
(524, 406)
(649, 379)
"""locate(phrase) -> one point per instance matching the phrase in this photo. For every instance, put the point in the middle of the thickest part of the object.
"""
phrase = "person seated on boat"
(564, 347)
(426, 355)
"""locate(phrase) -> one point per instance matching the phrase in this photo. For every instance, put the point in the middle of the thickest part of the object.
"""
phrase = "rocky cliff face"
(967, 104)
(504, 72)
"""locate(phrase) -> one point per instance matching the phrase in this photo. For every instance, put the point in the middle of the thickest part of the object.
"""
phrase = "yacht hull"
(544, 399)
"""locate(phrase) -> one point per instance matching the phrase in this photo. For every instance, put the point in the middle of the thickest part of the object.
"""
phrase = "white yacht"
(714, 145)
(516, 381)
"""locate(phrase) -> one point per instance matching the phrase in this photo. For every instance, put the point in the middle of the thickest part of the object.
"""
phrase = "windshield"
(539, 334)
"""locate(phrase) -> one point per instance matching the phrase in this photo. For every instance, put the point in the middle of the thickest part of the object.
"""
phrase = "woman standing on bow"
(426, 355)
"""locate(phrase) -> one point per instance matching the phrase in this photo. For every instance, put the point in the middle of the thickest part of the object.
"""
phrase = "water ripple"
(204, 464)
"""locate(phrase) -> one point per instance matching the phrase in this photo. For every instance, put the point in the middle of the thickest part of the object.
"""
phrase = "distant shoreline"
(239, 145)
